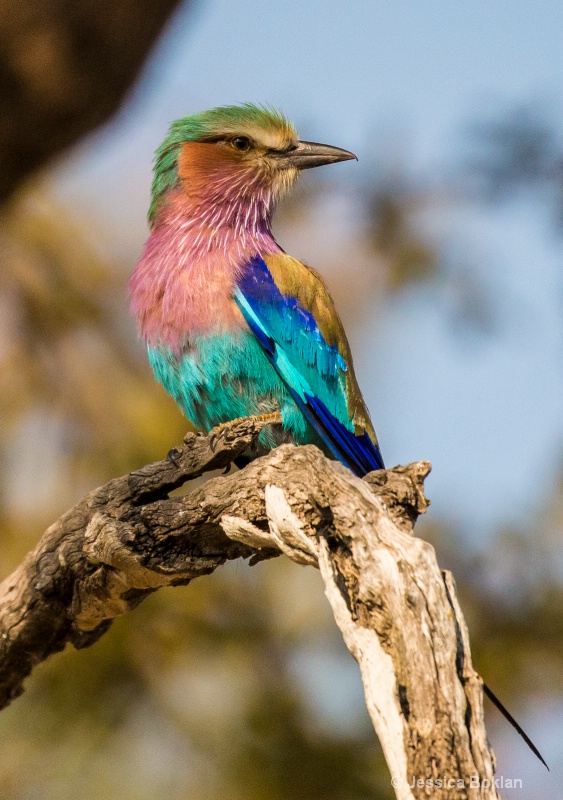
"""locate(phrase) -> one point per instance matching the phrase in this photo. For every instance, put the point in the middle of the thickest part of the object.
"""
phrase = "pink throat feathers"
(183, 283)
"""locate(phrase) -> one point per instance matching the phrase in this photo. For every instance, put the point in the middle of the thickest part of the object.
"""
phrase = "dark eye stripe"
(220, 137)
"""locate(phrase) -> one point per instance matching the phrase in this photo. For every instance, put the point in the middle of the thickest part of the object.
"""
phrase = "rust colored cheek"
(199, 161)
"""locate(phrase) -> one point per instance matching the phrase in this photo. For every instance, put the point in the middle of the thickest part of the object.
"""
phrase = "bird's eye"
(241, 143)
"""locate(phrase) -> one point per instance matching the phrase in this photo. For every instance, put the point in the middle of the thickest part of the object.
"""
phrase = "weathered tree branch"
(397, 611)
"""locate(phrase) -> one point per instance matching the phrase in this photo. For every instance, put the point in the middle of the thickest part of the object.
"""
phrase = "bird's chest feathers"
(183, 284)
(182, 289)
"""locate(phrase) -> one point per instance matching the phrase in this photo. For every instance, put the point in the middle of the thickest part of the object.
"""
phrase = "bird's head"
(234, 158)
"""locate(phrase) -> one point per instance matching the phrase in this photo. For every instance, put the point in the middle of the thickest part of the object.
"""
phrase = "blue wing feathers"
(359, 453)
(308, 365)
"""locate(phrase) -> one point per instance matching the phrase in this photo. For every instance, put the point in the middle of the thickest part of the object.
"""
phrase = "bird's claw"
(213, 441)
(219, 431)
(173, 456)
(274, 418)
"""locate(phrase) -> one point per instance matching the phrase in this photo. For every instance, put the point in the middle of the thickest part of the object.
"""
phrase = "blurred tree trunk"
(65, 66)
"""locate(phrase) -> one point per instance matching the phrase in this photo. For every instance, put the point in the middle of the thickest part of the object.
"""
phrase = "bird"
(234, 326)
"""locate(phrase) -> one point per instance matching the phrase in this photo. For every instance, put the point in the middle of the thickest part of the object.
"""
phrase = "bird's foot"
(274, 418)
(173, 456)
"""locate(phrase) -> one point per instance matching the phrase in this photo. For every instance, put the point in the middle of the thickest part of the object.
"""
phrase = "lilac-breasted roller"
(234, 326)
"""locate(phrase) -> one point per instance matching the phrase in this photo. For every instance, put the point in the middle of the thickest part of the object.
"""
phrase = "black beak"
(311, 154)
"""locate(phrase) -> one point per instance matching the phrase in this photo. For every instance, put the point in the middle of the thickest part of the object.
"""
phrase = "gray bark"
(397, 611)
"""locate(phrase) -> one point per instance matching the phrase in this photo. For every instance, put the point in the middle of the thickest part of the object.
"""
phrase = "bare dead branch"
(397, 611)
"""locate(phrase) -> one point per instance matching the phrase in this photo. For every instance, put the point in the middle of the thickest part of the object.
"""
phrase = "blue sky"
(362, 75)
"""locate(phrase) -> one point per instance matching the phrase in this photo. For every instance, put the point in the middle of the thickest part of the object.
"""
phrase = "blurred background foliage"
(239, 686)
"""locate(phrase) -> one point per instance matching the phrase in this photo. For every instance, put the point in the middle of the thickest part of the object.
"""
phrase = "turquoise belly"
(225, 376)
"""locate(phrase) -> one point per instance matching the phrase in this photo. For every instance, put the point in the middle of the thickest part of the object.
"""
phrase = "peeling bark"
(397, 611)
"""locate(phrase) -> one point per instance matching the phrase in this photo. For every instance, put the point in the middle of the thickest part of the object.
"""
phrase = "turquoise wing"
(310, 354)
